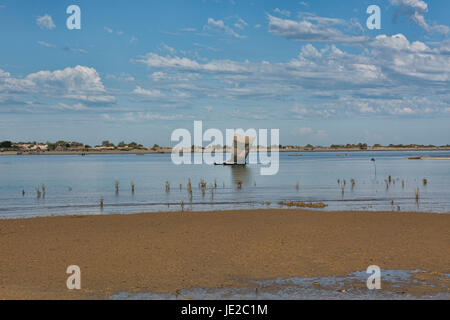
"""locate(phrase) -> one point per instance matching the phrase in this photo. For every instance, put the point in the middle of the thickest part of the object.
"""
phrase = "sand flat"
(166, 252)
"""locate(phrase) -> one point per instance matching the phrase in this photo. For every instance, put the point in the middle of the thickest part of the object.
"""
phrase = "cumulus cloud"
(332, 80)
(79, 83)
(45, 22)
(414, 59)
(71, 80)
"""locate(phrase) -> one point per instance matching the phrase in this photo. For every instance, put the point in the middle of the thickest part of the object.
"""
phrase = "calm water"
(75, 184)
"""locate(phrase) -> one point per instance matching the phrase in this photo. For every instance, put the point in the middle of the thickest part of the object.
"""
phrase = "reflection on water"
(396, 284)
(75, 184)
(242, 173)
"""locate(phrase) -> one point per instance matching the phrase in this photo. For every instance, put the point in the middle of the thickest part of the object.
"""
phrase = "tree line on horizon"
(73, 145)
(62, 145)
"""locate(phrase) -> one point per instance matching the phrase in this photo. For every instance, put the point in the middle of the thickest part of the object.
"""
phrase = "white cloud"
(45, 22)
(157, 76)
(286, 13)
(111, 31)
(389, 75)
(309, 132)
(147, 116)
(148, 93)
(169, 49)
(121, 77)
(153, 60)
(301, 112)
(403, 111)
(4, 74)
(414, 59)
(220, 25)
(415, 11)
(45, 44)
(107, 117)
(80, 78)
(311, 28)
(78, 83)
(364, 107)
(76, 50)
(241, 24)
(74, 107)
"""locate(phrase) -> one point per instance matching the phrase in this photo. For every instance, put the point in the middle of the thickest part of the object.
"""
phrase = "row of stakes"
(41, 190)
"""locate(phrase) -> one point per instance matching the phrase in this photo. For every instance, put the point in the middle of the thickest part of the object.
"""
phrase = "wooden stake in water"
(375, 166)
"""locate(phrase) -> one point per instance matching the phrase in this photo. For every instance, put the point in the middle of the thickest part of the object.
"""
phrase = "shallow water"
(75, 184)
(330, 288)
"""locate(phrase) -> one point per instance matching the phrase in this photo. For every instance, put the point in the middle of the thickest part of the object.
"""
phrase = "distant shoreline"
(169, 151)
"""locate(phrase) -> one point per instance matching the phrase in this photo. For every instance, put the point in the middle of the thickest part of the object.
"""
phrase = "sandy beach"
(166, 252)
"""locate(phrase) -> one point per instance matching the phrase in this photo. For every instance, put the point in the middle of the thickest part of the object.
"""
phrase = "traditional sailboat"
(240, 151)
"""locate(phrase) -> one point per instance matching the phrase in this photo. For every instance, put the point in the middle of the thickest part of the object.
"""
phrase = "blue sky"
(310, 68)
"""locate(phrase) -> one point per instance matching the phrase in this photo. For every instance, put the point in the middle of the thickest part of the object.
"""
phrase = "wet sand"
(167, 252)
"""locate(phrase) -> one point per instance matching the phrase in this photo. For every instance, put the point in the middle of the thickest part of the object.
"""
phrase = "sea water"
(74, 184)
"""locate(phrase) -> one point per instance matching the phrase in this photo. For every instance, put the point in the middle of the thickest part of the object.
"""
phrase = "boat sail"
(240, 150)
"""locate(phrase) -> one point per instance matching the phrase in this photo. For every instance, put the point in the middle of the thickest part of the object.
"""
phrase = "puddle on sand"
(395, 284)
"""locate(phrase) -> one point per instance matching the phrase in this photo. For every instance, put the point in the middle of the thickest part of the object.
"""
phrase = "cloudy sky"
(310, 68)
